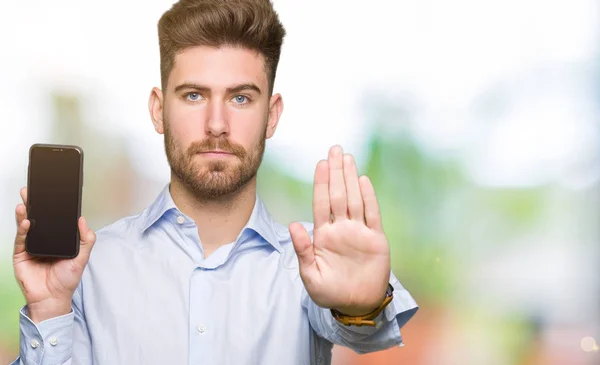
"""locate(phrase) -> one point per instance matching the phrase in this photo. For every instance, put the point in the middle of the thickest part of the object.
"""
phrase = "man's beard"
(214, 178)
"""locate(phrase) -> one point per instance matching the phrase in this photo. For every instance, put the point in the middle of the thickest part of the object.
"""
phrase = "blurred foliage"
(413, 190)
(10, 303)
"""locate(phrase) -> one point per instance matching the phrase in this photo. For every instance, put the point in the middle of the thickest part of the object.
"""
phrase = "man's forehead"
(221, 67)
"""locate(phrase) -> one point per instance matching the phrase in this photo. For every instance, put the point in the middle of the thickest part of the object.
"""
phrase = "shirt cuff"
(403, 307)
(50, 340)
(397, 313)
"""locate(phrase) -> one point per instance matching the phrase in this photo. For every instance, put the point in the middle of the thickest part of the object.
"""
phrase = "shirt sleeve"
(51, 342)
(365, 339)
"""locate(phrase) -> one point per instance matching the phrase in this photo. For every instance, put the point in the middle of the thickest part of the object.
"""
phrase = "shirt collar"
(262, 223)
(163, 203)
(260, 220)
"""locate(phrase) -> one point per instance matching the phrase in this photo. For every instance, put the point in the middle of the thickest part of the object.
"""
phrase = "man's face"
(216, 116)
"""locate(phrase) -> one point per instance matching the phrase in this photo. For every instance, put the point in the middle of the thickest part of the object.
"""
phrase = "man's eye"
(241, 99)
(193, 96)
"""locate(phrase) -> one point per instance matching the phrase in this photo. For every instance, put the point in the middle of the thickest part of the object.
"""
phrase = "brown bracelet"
(367, 319)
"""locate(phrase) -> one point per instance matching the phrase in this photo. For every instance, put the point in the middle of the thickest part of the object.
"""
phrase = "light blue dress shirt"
(149, 296)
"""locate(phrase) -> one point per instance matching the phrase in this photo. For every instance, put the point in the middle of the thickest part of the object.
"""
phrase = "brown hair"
(251, 24)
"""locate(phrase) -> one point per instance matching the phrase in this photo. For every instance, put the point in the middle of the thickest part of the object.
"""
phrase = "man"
(204, 275)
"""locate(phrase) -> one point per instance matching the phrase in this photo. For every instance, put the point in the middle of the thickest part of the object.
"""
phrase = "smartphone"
(54, 186)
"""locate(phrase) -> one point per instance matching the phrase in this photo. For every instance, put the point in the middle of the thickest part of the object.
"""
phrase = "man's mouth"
(216, 153)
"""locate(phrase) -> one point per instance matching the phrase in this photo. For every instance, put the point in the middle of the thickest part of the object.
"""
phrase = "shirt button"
(53, 341)
(180, 219)
(35, 344)
(201, 328)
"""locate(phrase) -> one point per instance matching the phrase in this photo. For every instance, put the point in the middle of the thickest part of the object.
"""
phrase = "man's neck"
(219, 221)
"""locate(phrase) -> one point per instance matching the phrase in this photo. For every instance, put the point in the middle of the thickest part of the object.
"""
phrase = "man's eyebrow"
(191, 85)
(230, 90)
(243, 87)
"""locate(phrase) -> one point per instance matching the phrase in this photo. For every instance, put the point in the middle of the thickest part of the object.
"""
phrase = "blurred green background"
(477, 123)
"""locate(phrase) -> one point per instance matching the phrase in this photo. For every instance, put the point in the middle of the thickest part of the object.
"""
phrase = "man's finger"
(355, 201)
(372, 213)
(20, 213)
(22, 228)
(23, 193)
(337, 186)
(321, 207)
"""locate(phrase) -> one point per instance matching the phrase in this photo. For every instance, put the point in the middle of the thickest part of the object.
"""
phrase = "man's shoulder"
(124, 233)
(116, 244)
(121, 228)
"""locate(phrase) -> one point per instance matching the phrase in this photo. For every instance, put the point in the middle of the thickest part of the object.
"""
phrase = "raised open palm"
(347, 264)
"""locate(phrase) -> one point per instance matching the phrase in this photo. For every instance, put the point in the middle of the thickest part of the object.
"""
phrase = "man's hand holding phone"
(48, 284)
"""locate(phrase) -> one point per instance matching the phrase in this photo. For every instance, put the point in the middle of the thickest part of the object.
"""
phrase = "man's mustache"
(216, 144)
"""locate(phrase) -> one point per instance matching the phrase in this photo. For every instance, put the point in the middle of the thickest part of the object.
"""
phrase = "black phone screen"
(54, 200)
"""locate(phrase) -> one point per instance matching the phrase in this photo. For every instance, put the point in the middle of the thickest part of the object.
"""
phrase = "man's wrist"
(357, 311)
(40, 312)
(368, 319)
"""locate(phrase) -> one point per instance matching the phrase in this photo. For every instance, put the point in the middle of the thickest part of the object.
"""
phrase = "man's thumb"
(302, 245)
(87, 240)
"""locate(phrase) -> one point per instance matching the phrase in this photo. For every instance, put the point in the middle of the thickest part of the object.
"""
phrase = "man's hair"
(250, 24)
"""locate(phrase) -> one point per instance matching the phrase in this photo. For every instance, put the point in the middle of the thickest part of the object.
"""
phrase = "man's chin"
(215, 190)
(214, 165)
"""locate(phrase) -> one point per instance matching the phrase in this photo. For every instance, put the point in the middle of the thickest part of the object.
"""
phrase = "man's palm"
(347, 264)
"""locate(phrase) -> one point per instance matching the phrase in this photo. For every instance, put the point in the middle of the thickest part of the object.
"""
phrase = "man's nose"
(216, 123)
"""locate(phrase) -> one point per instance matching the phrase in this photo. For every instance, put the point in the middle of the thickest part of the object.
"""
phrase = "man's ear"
(155, 107)
(275, 110)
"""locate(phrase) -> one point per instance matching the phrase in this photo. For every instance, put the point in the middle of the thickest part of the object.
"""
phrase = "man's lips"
(215, 153)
